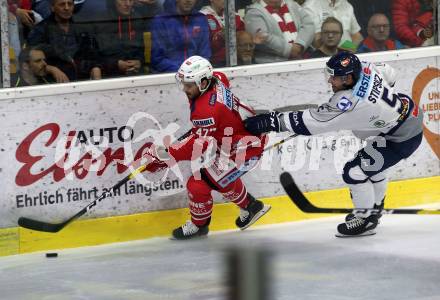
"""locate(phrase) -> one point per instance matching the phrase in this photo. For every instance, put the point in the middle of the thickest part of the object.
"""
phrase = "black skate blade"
(366, 233)
(258, 215)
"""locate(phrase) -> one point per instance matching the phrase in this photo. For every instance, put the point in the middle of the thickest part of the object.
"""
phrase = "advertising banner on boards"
(59, 152)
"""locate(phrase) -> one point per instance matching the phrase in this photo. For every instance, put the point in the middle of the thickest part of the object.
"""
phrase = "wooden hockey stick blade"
(305, 205)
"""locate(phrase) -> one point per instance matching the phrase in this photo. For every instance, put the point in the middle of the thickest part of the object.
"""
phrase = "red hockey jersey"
(217, 114)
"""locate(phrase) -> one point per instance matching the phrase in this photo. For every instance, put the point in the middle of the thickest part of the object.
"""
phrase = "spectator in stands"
(363, 10)
(341, 10)
(413, 22)
(378, 38)
(177, 34)
(216, 21)
(288, 29)
(120, 40)
(70, 46)
(27, 17)
(245, 48)
(33, 68)
(44, 7)
(331, 33)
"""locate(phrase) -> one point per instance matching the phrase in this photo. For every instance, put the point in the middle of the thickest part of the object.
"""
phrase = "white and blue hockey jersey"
(371, 108)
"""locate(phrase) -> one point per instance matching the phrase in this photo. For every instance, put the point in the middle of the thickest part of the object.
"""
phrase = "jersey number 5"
(386, 97)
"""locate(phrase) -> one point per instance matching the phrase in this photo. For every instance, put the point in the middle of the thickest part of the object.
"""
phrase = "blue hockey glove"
(263, 123)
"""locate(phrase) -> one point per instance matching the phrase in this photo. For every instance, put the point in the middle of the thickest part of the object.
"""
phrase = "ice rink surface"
(402, 261)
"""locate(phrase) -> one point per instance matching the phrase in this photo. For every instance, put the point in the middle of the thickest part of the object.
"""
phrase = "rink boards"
(414, 192)
(106, 118)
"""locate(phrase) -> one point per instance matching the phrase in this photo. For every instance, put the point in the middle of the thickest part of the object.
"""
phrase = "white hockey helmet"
(194, 69)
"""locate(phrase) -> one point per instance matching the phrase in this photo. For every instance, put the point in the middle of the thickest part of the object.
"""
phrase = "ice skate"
(249, 215)
(358, 226)
(189, 231)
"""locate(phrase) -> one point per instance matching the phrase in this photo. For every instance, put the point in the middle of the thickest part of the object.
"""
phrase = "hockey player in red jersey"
(217, 118)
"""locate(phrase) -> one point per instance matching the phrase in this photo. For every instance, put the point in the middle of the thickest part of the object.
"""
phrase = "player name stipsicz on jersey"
(365, 102)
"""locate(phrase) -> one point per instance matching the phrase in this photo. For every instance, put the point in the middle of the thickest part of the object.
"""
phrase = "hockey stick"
(305, 205)
(287, 108)
(55, 227)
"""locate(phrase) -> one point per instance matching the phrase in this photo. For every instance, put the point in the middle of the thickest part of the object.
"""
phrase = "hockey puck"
(53, 254)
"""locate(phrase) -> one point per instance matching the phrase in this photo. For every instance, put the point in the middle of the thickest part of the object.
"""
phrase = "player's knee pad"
(353, 173)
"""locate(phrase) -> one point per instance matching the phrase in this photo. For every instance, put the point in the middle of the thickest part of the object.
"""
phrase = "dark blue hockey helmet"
(344, 63)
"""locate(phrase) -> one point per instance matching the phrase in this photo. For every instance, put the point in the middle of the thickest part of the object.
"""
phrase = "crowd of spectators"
(68, 40)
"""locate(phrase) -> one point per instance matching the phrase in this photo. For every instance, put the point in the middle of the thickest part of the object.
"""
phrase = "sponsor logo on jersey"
(344, 104)
(212, 99)
(235, 174)
(377, 88)
(235, 103)
(345, 62)
(204, 122)
(379, 123)
(218, 170)
(363, 87)
(367, 70)
(228, 98)
(295, 118)
(220, 93)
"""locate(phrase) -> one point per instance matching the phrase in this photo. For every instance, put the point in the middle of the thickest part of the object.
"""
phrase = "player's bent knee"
(378, 177)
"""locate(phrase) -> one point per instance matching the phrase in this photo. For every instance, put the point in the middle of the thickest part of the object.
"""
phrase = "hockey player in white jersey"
(365, 102)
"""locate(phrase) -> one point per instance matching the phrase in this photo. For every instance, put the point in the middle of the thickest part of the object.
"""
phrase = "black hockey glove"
(263, 123)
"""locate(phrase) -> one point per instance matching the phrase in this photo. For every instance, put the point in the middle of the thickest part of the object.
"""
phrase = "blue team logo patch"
(344, 104)
(228, 98)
